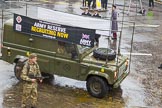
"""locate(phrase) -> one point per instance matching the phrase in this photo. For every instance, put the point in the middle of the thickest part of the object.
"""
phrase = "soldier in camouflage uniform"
(30, 85)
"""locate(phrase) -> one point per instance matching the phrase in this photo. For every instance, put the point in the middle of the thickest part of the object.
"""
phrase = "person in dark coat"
(143, 11)
(97, 36)
(106, 4)
(102, 3)
(94, 4)
(85, 3)
(151, 3)
(114, 25)
(89, 3)
(86, 12)
(96, 14)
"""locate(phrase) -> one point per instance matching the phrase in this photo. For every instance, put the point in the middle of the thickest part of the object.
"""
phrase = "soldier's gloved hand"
(33, 80)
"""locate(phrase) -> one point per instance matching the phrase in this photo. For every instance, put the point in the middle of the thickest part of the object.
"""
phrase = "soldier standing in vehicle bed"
(30, 85)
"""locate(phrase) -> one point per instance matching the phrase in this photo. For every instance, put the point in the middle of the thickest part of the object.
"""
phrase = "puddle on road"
(63, 97)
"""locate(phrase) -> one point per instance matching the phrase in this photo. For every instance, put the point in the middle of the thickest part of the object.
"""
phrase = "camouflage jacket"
(30, 69)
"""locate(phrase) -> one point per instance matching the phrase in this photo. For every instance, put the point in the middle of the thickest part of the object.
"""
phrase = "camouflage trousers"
(29, 94)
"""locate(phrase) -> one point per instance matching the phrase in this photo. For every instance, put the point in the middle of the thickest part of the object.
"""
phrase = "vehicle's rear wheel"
(97, 87)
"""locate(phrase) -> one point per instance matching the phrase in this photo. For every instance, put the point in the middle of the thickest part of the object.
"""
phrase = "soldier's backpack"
(19, 66)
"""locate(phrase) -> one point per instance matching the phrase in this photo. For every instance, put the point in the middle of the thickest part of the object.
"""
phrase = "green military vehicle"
(67, 59)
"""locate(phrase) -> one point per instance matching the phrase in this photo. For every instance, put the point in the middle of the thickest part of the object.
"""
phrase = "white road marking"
(140, 54)
(142, 25)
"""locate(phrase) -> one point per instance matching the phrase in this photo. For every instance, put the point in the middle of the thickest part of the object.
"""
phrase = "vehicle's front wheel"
(97, 87)
(50, 77)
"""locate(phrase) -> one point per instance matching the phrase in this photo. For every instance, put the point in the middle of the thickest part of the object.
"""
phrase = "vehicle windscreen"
(83, 49)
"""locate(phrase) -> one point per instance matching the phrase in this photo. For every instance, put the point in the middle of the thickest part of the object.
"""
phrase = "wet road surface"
(63, 97)
(141, 89)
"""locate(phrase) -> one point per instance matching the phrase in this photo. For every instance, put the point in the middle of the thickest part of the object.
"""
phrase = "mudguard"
(100, 74)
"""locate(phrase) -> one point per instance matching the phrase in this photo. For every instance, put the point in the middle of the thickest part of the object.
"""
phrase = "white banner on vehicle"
(102, 26)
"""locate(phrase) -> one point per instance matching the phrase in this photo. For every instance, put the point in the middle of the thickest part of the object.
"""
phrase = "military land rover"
(56, 56)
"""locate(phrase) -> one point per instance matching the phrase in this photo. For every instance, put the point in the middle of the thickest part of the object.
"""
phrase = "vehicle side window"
(67, 49)
(72, 50)
(61, 48)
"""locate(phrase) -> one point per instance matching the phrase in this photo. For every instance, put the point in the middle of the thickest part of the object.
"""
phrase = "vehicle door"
(66, 63)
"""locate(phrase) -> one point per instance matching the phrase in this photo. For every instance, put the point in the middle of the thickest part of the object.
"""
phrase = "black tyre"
(104, 53)
(97, 87)
(50, 77)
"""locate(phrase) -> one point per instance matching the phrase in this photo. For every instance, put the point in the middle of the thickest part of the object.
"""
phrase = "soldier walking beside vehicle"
(31, 68)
